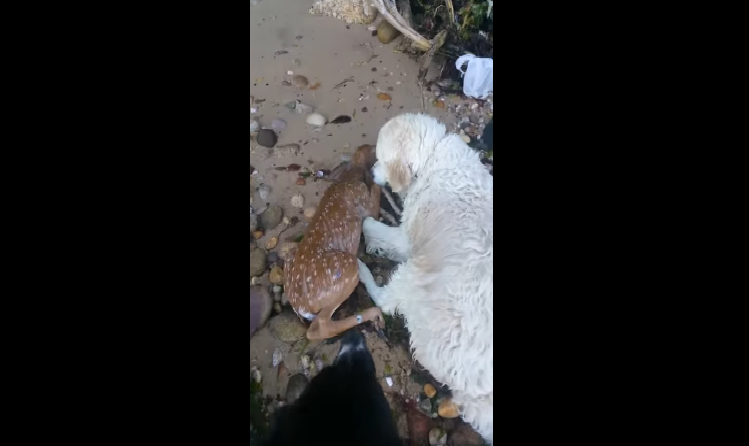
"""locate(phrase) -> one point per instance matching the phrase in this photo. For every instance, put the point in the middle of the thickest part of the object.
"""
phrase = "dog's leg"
(383, 240)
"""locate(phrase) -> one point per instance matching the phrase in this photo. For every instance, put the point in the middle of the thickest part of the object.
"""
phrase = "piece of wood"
(435, 44)
(390, 13)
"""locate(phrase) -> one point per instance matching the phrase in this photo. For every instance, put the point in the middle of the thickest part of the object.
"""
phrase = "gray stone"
(297, 384)
(278, 124)
(260, 307)
(288, 328)
(271, 217)
(257, 262)
(266, 138)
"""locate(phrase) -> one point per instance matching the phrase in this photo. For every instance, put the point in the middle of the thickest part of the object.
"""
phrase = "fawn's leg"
(323, 327)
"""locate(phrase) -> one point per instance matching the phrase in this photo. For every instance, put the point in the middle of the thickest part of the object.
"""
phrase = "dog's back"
(343, 405)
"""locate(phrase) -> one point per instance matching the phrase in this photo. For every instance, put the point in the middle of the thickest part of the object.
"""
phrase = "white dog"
(444, 287)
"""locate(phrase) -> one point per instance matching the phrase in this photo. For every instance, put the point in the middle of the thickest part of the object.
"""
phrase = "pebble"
(258, 233)
(304, 109)
(257, 262)
(277, 357)
(316, 119)
(309, 212)
(437, 437)
(299, 81)
(277, 307)
(297, 201)
(386, 33)
(272, 257)
(266, 138)
(284, 299)
(448, 409)
(426, 405)
(301, 181)
(277, 289)
(254, 126)
(276, 275)
(272, 242)
(282, 370)
(271, 217)
(319, 364)
(297, 384)
(287, 327)
(389, 380)
(465, 435)
(278, 124)
(256, 375)
(260, 307)
(466, 139)
(429, 390)
(264, 191)
(290, 105)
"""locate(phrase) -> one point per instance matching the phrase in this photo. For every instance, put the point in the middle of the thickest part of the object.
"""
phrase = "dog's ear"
(399, 175)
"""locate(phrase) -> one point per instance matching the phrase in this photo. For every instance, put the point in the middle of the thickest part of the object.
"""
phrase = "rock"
(475, 119)
(437, 437)
(253, 222)
(297, 384)
(299, 81)
(426, 406)
(271, 217)
(260, 307)
(386, 33)
(254, 126)
(304, 109)
(272, 242)
(466, 139)
(276, 276)
(287, 327)
(419, 426)
(264, 191)
(284, 299)
(465, 435)
(430, 390)
(447, 409)
(309, 212)
(277, 357)
(297, 201)
(266, 138)
(282, 370)
(278, 124)
(287, 248)
(272, 257)
(257, 262)
(316, 119)
(277, 307)
(258, 234)
(290, 105)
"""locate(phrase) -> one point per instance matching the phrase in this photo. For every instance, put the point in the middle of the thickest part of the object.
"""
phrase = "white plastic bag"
(479, 75)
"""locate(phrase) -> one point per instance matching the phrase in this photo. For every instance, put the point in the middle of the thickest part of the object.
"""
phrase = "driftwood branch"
(390, 13)
(435, 44)
(404, 6)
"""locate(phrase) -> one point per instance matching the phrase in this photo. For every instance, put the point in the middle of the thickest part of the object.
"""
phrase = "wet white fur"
(444, 287)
